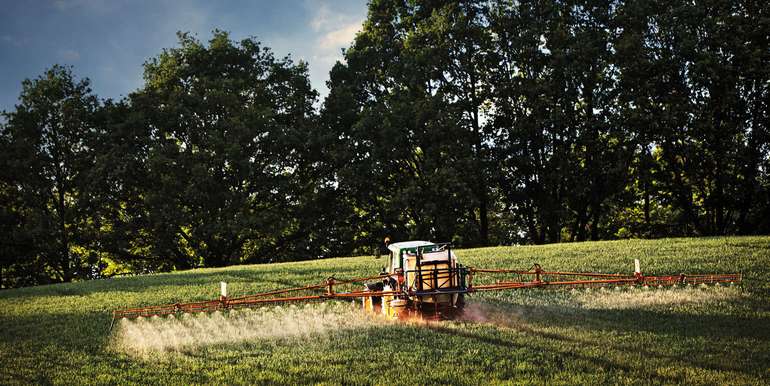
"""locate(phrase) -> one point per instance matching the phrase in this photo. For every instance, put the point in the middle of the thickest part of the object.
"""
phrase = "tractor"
(422, 280)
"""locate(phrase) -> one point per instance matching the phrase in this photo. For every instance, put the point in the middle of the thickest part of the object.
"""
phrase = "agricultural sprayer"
(424, 280)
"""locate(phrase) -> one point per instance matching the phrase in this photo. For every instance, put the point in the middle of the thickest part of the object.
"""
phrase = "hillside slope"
(59, 333)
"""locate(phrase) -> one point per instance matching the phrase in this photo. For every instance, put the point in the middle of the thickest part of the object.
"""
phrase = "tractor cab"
(421, 278)
(425, 266)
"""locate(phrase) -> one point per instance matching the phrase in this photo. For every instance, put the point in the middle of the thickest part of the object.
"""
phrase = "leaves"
(479, 123)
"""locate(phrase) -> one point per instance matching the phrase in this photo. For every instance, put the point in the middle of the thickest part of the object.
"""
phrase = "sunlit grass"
(716, 335)
(667, 298)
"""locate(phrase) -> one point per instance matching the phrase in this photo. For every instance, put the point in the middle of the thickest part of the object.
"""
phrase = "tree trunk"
(484, 228)
(719, 152)
(531, 224)
(481, 187)
(645, 177)
(595, 215)
(554, 227)
(541, 239)
(64, 243)
(749, 182)
(646, 185)
(720, 204)
(581, 221)
(683, 193)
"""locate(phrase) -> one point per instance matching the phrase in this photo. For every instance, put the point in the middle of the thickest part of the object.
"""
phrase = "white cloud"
(321, 18)
(69, 55)
(15, 40)
(63, 5)
(334, 30)
(97, 6)
(325, 18)
(339, 38)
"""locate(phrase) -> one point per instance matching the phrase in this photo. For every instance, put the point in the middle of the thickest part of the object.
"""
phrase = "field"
(716, 335)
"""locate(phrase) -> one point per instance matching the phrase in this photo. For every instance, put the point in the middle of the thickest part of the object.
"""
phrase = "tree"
(221, 130)
(47, 154)
(406, 107)
(452, 44)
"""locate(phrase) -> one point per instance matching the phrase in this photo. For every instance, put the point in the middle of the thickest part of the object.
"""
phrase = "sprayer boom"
(424, 280)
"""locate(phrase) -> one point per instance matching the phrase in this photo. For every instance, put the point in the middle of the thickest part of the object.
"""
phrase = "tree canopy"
(479, 123)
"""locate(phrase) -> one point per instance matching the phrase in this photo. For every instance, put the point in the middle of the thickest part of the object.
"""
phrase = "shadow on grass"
(719, 342)
(653, 321)
(562, 355)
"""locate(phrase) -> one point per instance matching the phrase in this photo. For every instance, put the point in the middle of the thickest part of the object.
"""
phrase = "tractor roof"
(395, 247)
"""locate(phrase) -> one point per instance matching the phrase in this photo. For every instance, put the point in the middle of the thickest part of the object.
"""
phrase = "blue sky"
(108, 40)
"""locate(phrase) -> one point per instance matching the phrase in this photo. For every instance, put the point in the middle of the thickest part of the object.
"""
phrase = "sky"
(109, 40)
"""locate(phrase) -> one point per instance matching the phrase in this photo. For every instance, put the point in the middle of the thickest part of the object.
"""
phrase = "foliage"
(223, 129)
(48, 151)
(479, 123)
(565, 113)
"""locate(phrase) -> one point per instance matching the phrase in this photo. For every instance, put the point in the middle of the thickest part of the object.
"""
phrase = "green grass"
(59, 333)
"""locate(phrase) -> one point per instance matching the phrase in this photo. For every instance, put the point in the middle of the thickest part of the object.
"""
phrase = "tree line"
(479, 123)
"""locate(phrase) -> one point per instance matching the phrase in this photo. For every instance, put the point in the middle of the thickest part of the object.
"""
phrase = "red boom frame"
(332, 288)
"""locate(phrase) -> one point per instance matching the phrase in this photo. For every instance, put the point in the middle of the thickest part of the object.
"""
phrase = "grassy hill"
(59, 333)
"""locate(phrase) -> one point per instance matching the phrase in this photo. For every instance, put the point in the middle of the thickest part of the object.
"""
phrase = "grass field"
(717, 335)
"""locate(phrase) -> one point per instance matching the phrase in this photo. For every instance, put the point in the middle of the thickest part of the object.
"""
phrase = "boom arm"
(475, 280)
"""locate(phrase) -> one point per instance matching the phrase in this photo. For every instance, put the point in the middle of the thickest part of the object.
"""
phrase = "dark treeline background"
(480, 123)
